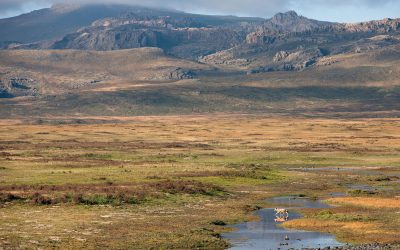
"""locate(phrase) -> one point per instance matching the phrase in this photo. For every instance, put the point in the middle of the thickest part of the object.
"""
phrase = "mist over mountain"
(339, 11)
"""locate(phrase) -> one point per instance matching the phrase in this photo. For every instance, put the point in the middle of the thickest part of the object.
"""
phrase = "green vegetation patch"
(343, 217)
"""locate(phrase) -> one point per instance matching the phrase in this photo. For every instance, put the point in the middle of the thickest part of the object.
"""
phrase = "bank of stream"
(267, 233)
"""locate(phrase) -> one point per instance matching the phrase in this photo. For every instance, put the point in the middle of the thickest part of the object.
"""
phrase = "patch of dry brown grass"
(357, 232)
(370, 202)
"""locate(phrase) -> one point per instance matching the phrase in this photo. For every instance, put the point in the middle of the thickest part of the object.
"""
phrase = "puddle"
(362, 187)
(324, 169)
(267, 233)
(337, 194)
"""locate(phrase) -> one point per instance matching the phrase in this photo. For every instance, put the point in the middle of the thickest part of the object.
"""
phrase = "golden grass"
(247, 155)
(355, 232)
(370, 202)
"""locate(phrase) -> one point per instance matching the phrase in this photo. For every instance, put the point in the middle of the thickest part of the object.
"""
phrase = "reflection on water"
(267, 233)
(281, 217)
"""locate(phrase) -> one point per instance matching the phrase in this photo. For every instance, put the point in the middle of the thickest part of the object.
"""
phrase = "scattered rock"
(281, 55)
(180, 74)
(374, 246)
(55, 238)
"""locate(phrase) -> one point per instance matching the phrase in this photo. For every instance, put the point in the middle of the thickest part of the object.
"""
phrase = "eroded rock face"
(183, 38)
(381, 26)
(226, 57)
(291, 22)
(286, 41)
(13, 86)
(185, 43)
(4, 92)
(289, 42)
(281, 55)
(180, 74)
(260, 37)
(173, 75)
(280, 24)
(284, 25)
(105, 39)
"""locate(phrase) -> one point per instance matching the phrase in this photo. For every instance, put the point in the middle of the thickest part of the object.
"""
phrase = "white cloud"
(335, 10)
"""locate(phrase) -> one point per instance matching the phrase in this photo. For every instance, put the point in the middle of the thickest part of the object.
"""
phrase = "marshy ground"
(175, 182)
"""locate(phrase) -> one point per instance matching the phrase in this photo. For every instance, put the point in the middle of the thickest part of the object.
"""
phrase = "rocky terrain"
(39, 72)
(124, 60)
(290, 42)
(17, 86)
(285, 42)
(158, 129)
(375, 246)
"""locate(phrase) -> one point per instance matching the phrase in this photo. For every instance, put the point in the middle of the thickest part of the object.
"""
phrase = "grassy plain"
(170, 182)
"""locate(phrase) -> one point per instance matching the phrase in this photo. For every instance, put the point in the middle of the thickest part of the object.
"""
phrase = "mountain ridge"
(284, 42)
(147, 61)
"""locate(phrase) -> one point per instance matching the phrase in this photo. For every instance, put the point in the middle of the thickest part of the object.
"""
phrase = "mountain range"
(47, 52)
(286, 41)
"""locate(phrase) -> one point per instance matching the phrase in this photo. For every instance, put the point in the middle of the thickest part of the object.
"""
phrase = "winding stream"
(267, 233)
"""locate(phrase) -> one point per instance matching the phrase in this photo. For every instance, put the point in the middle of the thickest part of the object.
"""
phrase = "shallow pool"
(267, 233)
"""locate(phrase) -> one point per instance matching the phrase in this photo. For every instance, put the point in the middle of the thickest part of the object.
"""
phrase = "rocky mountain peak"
(282, 17)
(283, 23)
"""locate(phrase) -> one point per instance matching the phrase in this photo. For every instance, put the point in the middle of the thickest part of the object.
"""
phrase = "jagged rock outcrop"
(281, 55)
(181, 74)
(291, 22)
(287, 41)
(225, 57)
(381, 26)
(111, 39)
(174, 74)
(280, 24)
(13, 86)
(291, 42)
(294, 61)
(183, 38)
(284, 25)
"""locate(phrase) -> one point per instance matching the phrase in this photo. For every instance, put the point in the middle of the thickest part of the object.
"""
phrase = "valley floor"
(173, 182)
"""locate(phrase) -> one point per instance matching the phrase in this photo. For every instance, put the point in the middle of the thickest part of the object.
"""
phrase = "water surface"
(267, 234)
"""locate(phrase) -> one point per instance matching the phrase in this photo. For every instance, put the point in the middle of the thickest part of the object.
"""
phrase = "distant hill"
(44, 72)
(60, 20)
(144, 81)
(127, 60)
(285, 42)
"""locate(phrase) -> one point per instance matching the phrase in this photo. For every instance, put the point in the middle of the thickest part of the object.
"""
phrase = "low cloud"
(360, 9)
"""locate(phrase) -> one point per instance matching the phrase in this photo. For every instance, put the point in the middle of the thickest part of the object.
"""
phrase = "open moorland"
(127, 127)
(180, 182)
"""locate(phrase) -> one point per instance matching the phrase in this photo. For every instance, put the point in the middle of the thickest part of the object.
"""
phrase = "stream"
(267, 234)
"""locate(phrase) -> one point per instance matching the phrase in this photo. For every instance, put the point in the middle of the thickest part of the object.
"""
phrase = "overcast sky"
(329, 10)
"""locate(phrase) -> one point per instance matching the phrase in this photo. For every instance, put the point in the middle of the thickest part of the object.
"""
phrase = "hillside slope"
(285, 42)
(185, 63)
(40, 72)
(121, 83)
(60, 20)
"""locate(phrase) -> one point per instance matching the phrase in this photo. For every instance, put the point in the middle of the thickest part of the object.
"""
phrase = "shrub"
(187, 187)
(325, 215)
(218, 223)
(7, 197)
(39, 199)
(96, 199)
